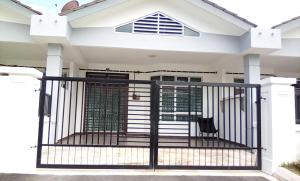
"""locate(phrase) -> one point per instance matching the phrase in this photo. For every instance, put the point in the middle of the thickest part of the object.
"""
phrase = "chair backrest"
(207, 125)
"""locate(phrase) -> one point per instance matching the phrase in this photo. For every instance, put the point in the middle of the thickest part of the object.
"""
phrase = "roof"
(229, 12)
(286, 22)
(82, 6)
(27, 7)
(205, 1)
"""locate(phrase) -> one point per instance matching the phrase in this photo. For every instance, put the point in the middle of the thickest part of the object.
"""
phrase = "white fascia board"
(85, 11)
(221, 14)
(260, 41)
(50, 29)
(17, 8)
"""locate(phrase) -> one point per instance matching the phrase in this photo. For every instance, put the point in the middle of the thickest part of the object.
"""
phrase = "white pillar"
(54, 60)
(278, 123)
(252, 68)
(251, 76)
(54, 68)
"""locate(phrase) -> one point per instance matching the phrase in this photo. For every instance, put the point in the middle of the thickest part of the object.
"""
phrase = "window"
(297, 102)
(157, 23)
(175, 99)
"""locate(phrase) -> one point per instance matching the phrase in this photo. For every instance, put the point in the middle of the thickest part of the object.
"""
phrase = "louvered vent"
(159, 24)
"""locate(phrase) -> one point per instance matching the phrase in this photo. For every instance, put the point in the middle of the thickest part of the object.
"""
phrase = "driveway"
(21, 177)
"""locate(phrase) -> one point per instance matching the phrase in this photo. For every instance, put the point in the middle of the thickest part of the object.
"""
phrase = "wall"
(19, 97)
(279, 138)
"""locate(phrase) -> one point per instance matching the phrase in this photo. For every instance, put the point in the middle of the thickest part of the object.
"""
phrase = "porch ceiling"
(134, 56)
(22, 51)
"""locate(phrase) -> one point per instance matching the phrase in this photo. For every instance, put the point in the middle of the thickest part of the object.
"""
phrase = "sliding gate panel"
(109, 123)
(95, 123)
(208, 126)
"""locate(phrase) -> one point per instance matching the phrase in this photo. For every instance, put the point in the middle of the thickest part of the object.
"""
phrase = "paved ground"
(20, 177)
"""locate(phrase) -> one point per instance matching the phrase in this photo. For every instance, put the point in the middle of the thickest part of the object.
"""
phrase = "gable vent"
(159, 24)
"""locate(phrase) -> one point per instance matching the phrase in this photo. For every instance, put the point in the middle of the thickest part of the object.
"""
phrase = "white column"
(251, 76)
(252, 68)
(54, 68)
(278, 123)
(54, 60)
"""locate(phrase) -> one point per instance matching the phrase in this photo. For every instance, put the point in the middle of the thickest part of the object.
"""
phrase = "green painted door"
(106, 104)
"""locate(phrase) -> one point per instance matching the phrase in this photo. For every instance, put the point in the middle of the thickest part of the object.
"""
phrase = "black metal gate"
(208, 126)
(148, 124)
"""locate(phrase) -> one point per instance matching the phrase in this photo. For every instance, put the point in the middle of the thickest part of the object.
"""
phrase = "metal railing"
(104, 123)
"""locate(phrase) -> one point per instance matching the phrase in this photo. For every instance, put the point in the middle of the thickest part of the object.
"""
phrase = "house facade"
(156, 84)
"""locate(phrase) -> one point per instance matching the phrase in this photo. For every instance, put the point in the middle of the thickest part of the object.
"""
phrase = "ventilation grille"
(159, 24)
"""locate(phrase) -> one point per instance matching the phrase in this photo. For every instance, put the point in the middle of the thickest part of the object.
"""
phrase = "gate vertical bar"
(155, 97)
(258, 112)
(189, 112)
(41, 123)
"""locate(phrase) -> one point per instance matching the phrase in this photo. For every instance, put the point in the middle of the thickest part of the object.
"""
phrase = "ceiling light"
(152, 56)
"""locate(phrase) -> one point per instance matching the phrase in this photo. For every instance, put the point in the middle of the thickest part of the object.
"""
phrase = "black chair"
(207, 125)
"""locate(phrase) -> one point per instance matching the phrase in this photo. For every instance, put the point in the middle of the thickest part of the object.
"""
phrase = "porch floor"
(138, 153)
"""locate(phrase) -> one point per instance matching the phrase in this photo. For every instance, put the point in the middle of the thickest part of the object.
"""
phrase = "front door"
(105, 104)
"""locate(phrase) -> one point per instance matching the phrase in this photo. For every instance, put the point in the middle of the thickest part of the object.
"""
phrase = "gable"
(185, 11)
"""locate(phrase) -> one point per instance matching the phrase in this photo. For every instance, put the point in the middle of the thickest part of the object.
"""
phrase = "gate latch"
(263, 98)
